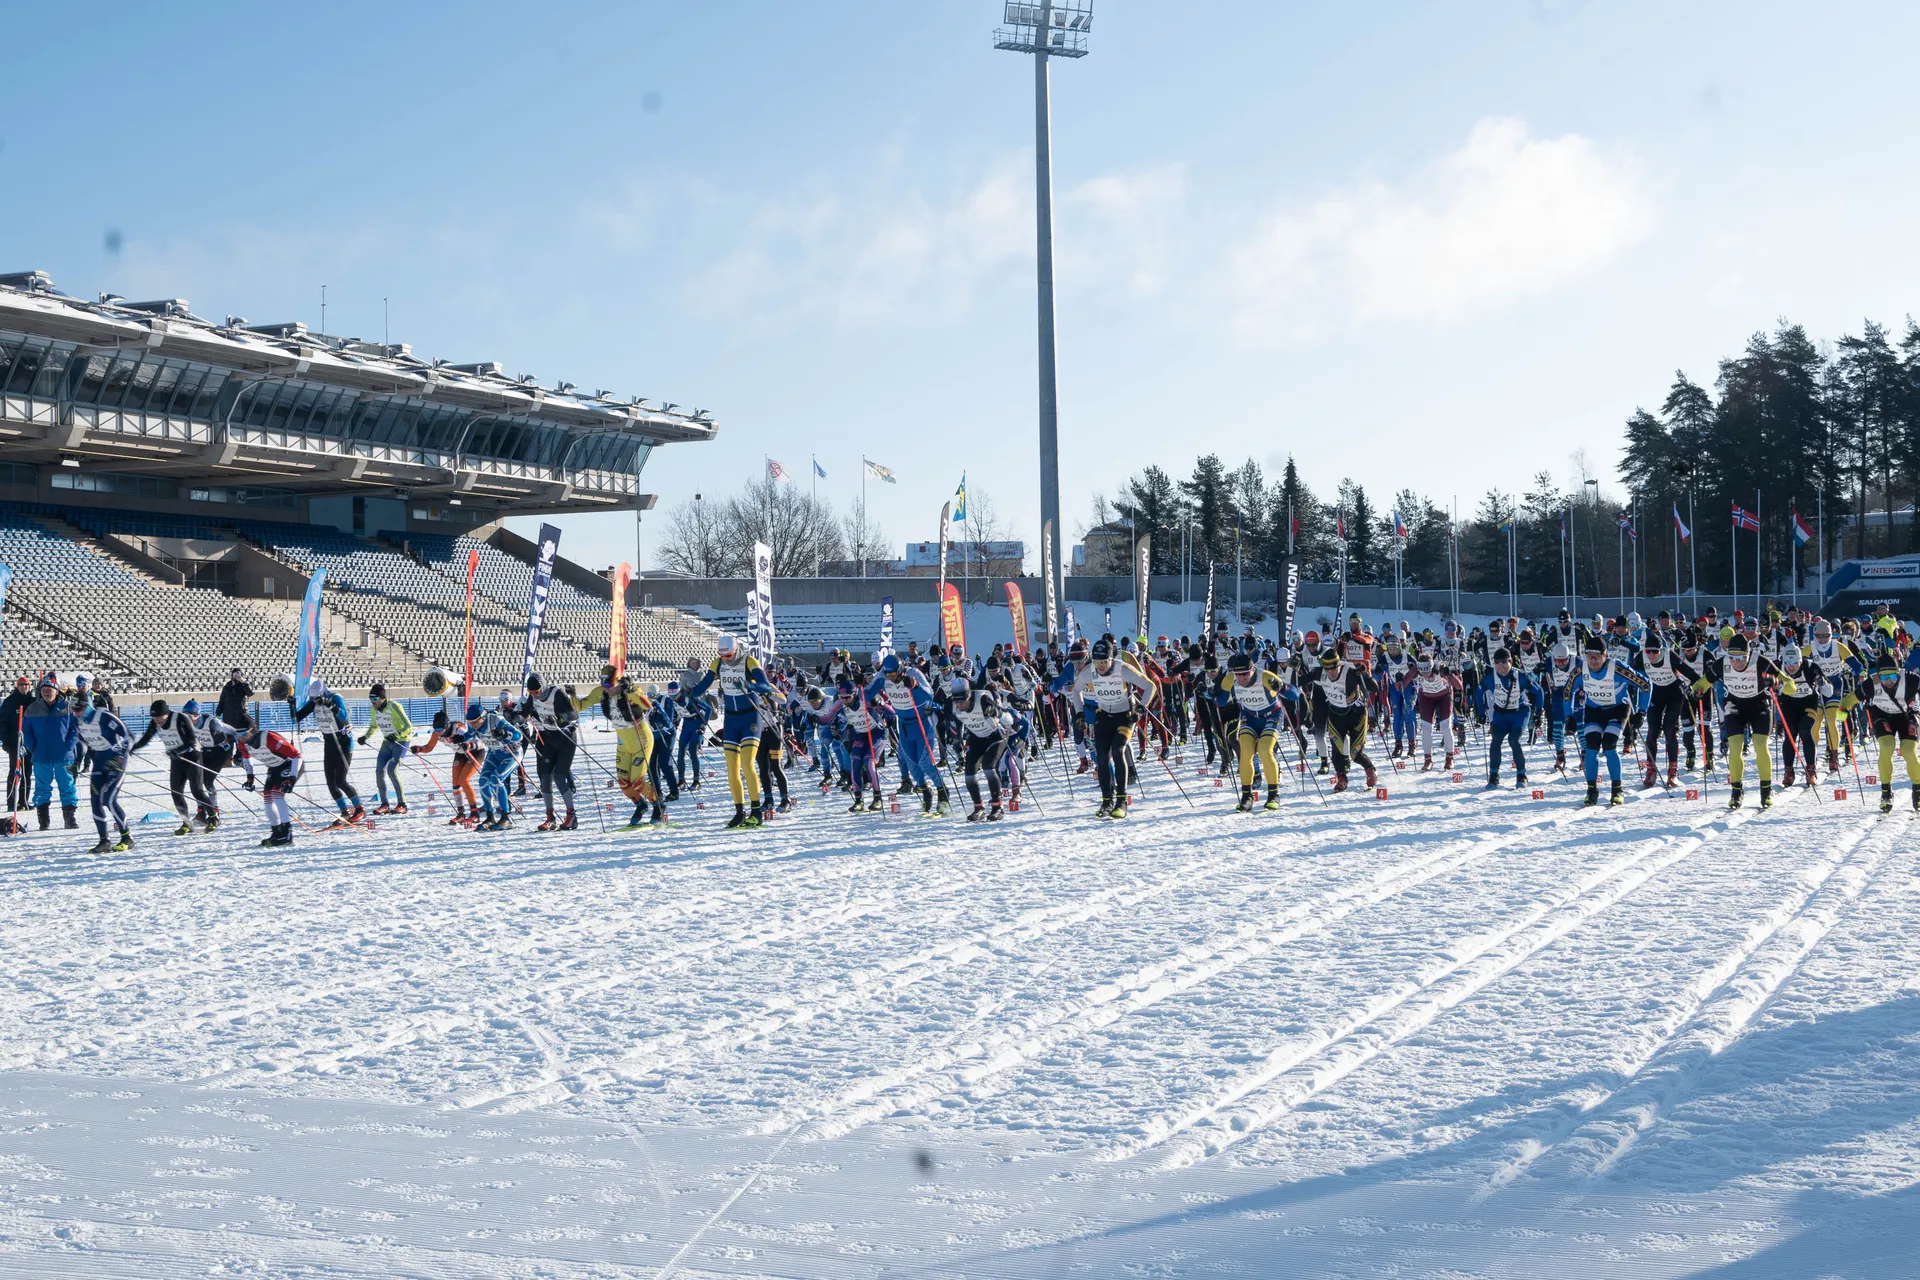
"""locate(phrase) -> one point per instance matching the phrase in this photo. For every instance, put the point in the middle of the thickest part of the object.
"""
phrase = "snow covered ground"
(1446, 1034)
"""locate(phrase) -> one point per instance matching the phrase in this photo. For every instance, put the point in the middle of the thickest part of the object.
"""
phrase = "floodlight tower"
(1056, 28)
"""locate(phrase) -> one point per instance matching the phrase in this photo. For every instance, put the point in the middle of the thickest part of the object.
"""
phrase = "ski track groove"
(1601, 1132)
(1301, 1071)
(438, 1022)
(945, 1070)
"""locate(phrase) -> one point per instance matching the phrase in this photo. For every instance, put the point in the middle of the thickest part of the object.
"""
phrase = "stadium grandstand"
(169, 485)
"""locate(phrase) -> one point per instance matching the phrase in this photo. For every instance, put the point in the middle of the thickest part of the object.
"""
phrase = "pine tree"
(1152, 503)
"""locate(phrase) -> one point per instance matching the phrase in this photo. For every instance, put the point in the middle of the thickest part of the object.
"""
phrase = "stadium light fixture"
(1056, 28)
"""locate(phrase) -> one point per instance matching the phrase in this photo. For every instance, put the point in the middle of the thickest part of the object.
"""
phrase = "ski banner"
(537, 604)
(953, 619)
(1142, 580)
(762, 622)
(1073, 629)
(617, 620)
(6, 579)
(886, 626)
(1046, 571)
(1206, 619)
(1289, 597)
(1017, 606)
(466, 690)
(1107, 625)
(307, 651)
(753, 623)
(946, 510)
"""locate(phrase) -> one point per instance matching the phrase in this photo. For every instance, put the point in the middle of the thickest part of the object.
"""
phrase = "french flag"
(1679, 525)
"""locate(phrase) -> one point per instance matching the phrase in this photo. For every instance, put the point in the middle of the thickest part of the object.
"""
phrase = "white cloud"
(1504, 217)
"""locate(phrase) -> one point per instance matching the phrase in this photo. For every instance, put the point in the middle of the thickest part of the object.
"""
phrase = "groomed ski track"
(1452, 1032)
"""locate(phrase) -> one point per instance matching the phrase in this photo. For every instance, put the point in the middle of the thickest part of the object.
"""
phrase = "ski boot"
(503, 823)
(1520, 782)
(212, 822)
(483, 823)
(400, 808)
(1618, 799)
(125, 842)
(103, 845)
(1085, 764)
(940, 805)
(342, 821)
(358, 816)
(739, 818)
(906, 785)
(45, 814)
(1246, 800)
(1493, 782)
(1886, 799)
(70, 814)
(859, 804)
(1673, 775)
(1105, 810)
(1324, 766)
(1119, 807)
(1273, 798)
(1373, 779)
(996, 813)
(1734, 792)
(1426, 763)
(1593, 794)
(1448, 765)
(460, 817)
(1397, 750)
(250, 784)
(184, 829)
(977, 814)
(382, 810)
(639, 814)
(569, 823)
(1560, 758)
(785, 805)
(280, 833)
(926, 799)
(878, 801)
(550, 824)
(1652, 776)
(1339, 782)
(1766, 794)
(1786, 774)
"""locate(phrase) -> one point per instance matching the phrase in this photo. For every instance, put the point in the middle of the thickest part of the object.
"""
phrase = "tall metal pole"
(1043, 254)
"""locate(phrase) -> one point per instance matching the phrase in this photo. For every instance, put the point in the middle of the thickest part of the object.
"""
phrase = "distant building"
(978, 559)
(1106, 549)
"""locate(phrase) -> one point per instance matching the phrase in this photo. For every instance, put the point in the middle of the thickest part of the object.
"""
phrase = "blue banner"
(307, 653)
(542, 583)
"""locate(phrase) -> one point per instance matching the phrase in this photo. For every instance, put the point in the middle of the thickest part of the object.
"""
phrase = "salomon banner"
(1051, 600)
(1289, 584)
(1142, 581)
(946, 511)
(1017, 606)
(617, 620)
(307, 651)
(886, 626)
(953, 619)
(537, 606)
(763, 600)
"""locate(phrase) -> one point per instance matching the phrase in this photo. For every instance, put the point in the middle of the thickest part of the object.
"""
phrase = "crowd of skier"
(1803, 694)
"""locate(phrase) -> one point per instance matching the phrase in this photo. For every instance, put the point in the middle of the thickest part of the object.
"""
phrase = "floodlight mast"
(1057, 27)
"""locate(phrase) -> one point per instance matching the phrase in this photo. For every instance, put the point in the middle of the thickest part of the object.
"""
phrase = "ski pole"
(1793, 747)
(1846, 724)
(1169, 768)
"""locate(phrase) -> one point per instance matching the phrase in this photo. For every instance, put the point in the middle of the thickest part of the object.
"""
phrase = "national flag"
(1679, 525)
(777, 472)
(1399, 527)
(819, 470)
(1626, 523)
(960, 499)
(1506, 526)
(1745, 519)
(1340, 526)
(1802, 535)
(879, 472)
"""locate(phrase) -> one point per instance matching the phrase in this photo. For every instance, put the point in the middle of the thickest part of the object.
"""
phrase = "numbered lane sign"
(1839, 793)
(1693, 793)
(1538, 794)
(1379, 793)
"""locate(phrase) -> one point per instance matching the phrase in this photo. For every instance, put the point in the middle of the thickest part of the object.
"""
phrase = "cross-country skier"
(329, 712)
(106, 741)
(181, 742)
(282, 758)
(388, 719)
(1605, 690)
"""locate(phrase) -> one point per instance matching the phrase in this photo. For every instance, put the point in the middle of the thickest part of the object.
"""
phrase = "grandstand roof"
(151, 387)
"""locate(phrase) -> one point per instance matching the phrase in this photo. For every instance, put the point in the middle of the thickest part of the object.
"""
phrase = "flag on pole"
(879, 472)
(1506, 526)
(777, 472)
(1802, 534)
(1679, 525)
(1745, 519)
(1626, 523)
(819, 470)
(1399, 527)
(1340, 526)
(960, 499)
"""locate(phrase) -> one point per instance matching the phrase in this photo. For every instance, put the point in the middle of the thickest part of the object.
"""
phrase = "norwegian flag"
(1802, 535)
(1745, 519)
(1626, 523)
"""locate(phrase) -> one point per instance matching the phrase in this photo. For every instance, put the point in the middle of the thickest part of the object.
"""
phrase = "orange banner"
(617, 626)
(953, 619)
(1017, 606)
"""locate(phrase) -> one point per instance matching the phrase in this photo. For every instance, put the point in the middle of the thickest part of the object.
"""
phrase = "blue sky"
(1440, 246)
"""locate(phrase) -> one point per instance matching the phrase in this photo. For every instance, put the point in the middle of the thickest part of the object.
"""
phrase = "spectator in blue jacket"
(51, 732)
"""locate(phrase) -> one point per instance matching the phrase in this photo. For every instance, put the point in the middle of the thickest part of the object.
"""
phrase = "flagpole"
(863, 515)
(1693, 555)
(1676, 571)
(1760, 556)
(1821, 516)
(1734, 564)
(1573, 549)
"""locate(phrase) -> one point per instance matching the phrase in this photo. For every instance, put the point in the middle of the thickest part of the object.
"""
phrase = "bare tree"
(863, 539)
(696, 541)
(984, 525)
(801, 530)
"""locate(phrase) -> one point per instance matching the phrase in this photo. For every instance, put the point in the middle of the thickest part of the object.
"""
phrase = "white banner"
(761, 624)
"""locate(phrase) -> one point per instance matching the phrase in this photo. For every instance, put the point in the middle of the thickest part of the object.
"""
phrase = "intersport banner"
(306, 651)
(1017, 606)
(537, 606)
(617, 623)
(953, 619)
